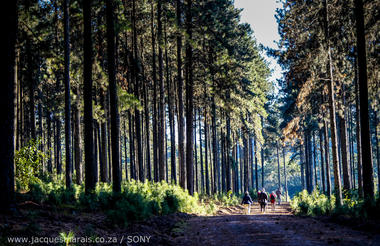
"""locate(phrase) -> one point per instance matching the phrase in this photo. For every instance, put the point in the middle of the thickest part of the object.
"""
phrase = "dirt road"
(279, 227)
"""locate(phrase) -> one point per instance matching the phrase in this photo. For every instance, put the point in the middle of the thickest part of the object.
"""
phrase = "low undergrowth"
(136, 202)
(219, 200)
(317, 204)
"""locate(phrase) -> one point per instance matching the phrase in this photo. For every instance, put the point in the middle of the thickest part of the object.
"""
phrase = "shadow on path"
(278, 227)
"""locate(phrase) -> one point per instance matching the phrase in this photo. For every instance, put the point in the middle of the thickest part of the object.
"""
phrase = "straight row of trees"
(145, 90)
(331, 89)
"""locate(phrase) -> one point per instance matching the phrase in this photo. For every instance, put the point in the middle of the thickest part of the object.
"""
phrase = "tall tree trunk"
(327, 158)
(310, 155)
(30, 77)
(161, 121)
(58, 152)
(262, 166)
(49, 135)
(103, 137)
(181, 122)
(135, 75)
(214, 147)
(351, 145)
(241, 162)
(125, 152)
(69, 165)
(154, 105)
(189, 100)
(87, 80)
(344, 145)
(368, 185)
(302, 164)
(196, 186)
(251, 163)
(322, 177)
(344, 151)
(206, 154)
(278, 166)
(223, 160)
(7, 101)
(234, 187)
(131, 148)
(256, 171)
(115, 121)
(229, 157)
(96, 149)
(171, 115)
(200, 152)
(358, 135)
(331, 95)
(307, 161)
(245, 142)
(262, 154)
(147, 134)
(315, 162)
(17, 101)
(77, 140)
(222, 157)
(285, 176)
(100, 150)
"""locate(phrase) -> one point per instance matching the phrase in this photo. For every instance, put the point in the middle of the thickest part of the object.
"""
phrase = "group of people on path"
(262, 198)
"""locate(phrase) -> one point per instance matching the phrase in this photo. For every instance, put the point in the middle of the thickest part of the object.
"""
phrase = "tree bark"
(69, 165)
(351, 145)
(7, 100)
(206, 154)
(135, 75)
(358, 136)
(58, 151)
(103, 137)
(147, 134)
(229, 157)
(115, 121)
(285, 176)
(200, 152)
(327, 158)
(256, 171)
(189, 100)
(245, 142)
(331, 95)
(322, 177)
(344, 144)
(77, 140)
(315, 162)
(196, 186)
(161, 121)
(278, 166)
(302, 164)
(368, 185)
(181, 122)
(49, 135)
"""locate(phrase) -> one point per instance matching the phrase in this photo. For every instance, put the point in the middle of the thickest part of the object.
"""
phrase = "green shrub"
(28, 162)
(316, 204)
(137, 201)
(221, 199)
(313, 204)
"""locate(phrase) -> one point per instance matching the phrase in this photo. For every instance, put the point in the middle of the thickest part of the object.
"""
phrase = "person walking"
(247, 201)
(263, 199)
(272, 198)
(278, 193)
